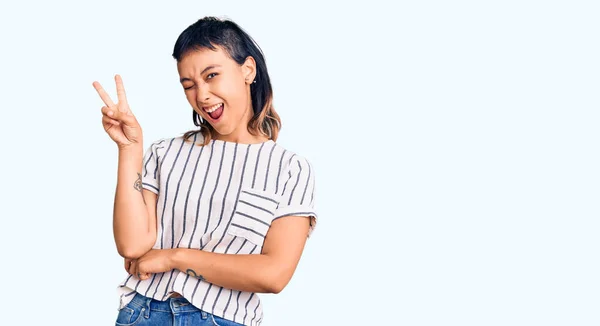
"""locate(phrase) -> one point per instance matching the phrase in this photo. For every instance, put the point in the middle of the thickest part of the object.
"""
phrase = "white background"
(455, 147)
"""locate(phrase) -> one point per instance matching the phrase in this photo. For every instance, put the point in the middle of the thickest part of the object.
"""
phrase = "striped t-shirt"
(221, 197)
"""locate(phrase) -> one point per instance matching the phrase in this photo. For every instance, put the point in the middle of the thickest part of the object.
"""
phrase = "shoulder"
(292, 160)
(166, 143)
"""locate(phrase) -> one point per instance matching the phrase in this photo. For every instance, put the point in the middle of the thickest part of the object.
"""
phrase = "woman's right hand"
(130, 268)
(117, 119)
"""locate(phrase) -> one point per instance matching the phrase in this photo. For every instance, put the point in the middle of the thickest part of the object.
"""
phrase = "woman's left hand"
(152, 262)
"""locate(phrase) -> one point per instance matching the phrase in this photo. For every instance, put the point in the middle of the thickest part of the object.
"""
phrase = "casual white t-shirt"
(221, 197)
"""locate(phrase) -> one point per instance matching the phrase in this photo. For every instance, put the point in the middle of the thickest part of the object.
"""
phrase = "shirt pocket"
(253, 215)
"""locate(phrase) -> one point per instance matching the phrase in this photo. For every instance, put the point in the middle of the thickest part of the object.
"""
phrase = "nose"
(203, 94)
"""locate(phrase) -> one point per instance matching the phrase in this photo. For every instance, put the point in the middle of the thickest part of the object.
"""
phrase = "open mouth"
(214, 111)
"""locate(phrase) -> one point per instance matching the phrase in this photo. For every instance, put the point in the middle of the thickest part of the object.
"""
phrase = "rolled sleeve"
(298, 195)
(150, 168)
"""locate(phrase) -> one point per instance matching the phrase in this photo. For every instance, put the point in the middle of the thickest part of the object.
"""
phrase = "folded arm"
(267, 272)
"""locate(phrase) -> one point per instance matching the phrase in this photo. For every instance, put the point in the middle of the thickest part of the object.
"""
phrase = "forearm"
(130, 217)
(252, 273)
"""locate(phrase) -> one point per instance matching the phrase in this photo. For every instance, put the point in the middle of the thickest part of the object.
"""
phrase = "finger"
(120, 90)
(126, 117)
(107, 120)
(142, 275)
(108, 115)
(132, 267)
(127, 264)
(137, 271)
(103, 95)
(111, 112)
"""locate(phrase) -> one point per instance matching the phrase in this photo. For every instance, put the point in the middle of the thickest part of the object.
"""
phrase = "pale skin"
(135, 234)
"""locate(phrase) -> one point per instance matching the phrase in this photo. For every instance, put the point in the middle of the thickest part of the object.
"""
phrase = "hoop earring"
(198, 121)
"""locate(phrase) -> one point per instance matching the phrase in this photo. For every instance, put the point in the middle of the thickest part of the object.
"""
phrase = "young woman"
(208, 219)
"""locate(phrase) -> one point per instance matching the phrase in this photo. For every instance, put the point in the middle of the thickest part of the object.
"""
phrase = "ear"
(249, 70)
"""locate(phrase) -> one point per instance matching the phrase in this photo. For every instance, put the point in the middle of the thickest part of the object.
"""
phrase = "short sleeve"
(150, 173)
(298, 194)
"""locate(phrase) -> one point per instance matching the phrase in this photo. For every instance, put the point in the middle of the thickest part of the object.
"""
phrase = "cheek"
(222, 89)
(229, 91)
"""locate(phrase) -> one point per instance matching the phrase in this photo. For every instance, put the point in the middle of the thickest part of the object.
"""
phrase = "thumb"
(127, 118)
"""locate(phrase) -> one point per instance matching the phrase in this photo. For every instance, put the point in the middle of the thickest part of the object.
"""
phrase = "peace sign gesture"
(117, 119)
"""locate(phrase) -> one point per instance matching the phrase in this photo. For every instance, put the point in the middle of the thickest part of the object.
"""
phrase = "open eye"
(211, 75)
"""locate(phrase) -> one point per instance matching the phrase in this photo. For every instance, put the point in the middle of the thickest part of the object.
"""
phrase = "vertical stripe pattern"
(221, 197)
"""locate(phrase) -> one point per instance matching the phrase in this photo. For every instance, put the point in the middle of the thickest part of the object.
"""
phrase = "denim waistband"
(175, 305)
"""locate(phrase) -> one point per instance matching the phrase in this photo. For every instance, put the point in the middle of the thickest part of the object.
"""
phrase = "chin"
(223, 131)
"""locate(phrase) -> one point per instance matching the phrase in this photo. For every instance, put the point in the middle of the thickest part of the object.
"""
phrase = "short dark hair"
(209, 32)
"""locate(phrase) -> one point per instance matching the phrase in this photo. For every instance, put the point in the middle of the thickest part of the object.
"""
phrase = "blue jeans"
(144, 311)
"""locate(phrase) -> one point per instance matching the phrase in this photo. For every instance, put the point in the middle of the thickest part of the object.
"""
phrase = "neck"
(246, 139)
(241, 134)
(239, 137)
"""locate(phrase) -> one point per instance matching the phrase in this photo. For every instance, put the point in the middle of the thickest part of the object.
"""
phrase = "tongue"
(216, 114)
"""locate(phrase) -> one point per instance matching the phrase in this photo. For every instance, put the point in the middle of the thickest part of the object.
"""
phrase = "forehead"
(196, 61)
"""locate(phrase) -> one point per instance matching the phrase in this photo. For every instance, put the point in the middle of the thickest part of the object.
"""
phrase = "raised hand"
(117, 119)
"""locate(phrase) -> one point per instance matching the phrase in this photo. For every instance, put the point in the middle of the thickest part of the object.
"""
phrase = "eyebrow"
(203, 71)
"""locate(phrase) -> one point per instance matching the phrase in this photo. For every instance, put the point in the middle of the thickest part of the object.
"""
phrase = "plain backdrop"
(455, 145)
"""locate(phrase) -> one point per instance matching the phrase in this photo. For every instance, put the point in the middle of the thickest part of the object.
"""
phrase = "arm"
(134, 216)
(271, 270)
(268, 272)
(134, 225)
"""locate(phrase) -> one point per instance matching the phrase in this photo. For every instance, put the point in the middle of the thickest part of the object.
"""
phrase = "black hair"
(209, 32)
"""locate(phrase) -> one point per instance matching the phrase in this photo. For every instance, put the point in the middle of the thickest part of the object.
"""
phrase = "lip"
(208, 115)
(204, 108)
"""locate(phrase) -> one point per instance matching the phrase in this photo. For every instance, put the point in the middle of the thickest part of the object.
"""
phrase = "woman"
(208, 219)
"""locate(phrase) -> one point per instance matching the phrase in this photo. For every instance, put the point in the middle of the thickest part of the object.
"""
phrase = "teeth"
(213, 108)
